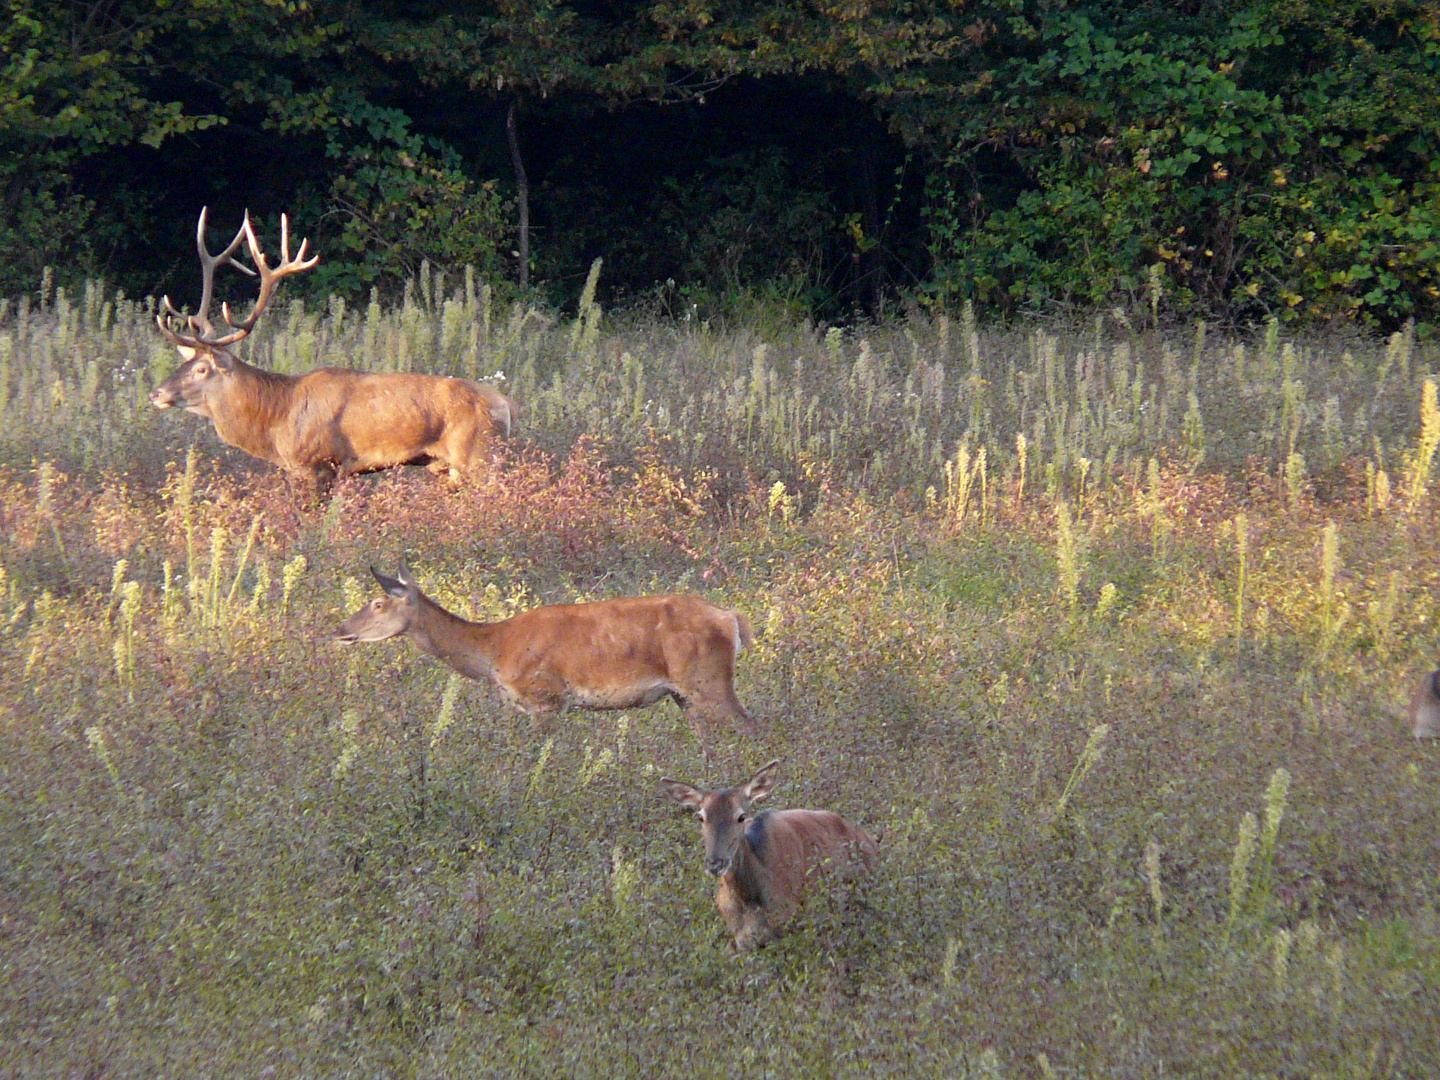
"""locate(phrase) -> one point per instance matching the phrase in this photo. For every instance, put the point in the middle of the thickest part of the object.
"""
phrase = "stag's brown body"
(333, 422)
(615, 654)
(326, 423)
(767, 863)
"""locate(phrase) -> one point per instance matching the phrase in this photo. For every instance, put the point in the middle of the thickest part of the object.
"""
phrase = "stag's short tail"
(744, 633)
(502, 415)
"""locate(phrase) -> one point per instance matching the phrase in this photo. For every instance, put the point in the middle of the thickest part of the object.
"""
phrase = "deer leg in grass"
(695, 717)
(310, 486)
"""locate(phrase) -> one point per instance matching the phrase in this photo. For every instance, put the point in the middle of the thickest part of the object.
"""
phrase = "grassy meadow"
(1104, 628)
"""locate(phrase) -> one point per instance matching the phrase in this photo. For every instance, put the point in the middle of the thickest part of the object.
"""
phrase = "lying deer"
(326, 423)
(1425, 708)
(767, 862)
(615, 654)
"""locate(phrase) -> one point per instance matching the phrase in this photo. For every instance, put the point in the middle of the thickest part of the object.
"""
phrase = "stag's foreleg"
(310, 485)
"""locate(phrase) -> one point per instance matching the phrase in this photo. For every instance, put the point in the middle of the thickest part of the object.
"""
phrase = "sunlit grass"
(1062, 615)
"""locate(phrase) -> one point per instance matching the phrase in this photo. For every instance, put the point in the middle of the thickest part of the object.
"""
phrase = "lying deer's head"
(387, 616)
(723, 814)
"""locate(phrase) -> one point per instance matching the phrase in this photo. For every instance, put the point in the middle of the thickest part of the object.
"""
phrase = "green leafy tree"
(1277, 157)
(72, 86)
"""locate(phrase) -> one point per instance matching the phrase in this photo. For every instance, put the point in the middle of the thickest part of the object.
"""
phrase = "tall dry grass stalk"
(1242, 549)
(1424, 460)
(1240, 872)
(1089, 756)
(1067, 556)
(1157, 897)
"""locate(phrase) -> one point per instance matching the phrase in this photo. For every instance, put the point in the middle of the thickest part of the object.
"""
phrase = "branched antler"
(202, 331)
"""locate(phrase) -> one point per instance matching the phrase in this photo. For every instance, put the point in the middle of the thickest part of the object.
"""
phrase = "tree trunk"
(522, 194)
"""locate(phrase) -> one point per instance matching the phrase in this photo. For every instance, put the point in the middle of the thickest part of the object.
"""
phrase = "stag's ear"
(392, 587)
(761, 783)
(186, 352)
(686, 795)
(222, 360)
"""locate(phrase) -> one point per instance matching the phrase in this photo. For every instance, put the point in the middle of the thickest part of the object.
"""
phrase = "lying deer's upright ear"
(186, 352)
(392, 587)
(406, 578)
(761, 783)
(686, 795)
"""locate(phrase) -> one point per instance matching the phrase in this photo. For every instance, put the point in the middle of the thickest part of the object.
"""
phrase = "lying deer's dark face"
(201, 379)
(724, 815)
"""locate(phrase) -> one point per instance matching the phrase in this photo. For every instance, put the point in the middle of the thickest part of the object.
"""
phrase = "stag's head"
(387, 616)
(199, 381)
(208, 367)
(723, 814)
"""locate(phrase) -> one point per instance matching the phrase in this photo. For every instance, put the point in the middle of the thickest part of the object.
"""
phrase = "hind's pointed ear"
(761, 783)
(406, 578)
(687, 795)
(389, 584)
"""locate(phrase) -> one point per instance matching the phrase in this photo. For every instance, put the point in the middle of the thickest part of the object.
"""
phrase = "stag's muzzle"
(162, 397)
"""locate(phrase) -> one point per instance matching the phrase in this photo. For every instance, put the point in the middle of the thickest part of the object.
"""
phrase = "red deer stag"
(330, 422)
(767, 863)
(615, 654)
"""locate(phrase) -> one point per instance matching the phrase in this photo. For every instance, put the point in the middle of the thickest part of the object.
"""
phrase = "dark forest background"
(1242, 158)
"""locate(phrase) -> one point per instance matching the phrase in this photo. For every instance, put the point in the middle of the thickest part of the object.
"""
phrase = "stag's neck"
(254, 408)
(466, 646)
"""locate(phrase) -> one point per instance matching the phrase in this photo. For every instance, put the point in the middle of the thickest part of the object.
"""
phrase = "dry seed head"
(1280, 962)
(947, 965)
(122, 567)
(1106, 603)
(1152, 871)
(1275, 796)
(354, 594)
(447, 708)
(624, 881)
(1240, 868)
(290, 576)
(1295, 480)
(130, 604)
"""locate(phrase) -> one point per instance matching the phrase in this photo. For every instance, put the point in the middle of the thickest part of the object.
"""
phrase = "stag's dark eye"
(202, 371)
(740, 816)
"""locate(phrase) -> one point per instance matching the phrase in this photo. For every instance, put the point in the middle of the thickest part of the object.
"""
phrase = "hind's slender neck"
(466, 646)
